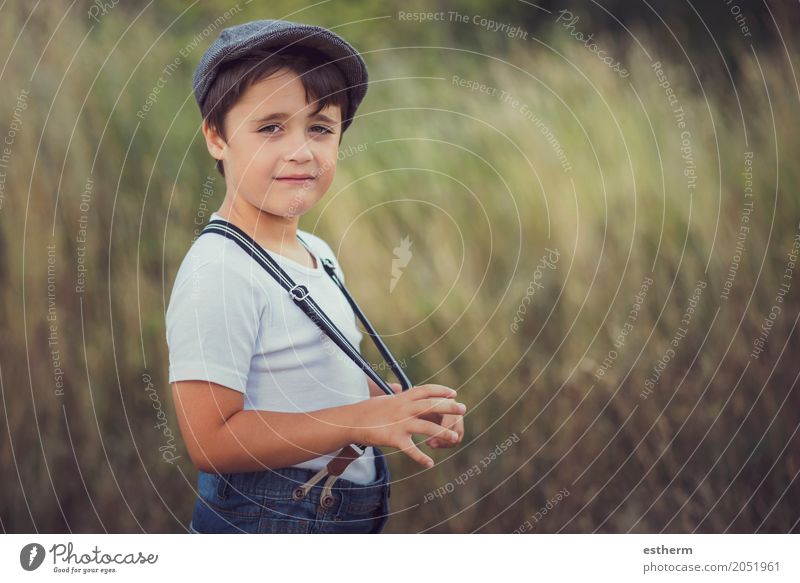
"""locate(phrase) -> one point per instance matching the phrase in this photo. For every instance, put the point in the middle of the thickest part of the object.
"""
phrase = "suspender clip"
(299, 293)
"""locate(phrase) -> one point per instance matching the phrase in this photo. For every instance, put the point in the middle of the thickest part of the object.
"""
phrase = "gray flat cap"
(236, 41)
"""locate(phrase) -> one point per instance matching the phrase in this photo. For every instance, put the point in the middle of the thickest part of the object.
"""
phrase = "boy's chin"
(285, 210)
(284, 213)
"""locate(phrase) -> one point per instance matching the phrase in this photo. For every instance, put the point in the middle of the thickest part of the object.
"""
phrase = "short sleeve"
(212, 323)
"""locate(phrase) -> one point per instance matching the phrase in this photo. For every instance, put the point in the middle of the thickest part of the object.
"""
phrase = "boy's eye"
(323, 129)
(317, 129)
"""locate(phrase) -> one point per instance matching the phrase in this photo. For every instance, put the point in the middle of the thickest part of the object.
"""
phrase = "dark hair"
(322, 80)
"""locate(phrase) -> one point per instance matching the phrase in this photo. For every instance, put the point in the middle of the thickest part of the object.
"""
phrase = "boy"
(262, 404)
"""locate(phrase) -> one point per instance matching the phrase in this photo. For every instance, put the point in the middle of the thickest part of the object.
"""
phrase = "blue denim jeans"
(262, 502)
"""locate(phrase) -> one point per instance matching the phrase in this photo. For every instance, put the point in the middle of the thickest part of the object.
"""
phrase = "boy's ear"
(214, 142)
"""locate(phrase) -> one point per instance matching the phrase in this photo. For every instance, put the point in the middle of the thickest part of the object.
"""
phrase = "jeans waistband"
(281, 482)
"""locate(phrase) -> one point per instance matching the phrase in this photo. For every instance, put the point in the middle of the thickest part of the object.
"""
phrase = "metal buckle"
(328, 262)
(303, 290)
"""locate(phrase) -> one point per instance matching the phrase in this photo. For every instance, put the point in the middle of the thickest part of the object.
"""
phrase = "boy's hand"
(391, 420)
(451, 422)
(454, 423)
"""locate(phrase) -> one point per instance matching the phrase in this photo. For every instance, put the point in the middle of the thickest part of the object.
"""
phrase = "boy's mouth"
(295, 178)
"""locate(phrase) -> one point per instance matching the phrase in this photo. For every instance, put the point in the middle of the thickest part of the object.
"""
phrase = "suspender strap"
(305, 302)
(405, 382)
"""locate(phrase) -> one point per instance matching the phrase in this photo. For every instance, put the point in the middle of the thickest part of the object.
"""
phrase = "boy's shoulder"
(317, 243)
(211, 248)
(212, 256)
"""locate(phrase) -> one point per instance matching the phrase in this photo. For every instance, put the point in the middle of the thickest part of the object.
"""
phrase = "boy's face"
(272, 136)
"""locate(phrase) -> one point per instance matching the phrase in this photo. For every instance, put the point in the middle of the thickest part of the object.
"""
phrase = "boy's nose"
(299, 151)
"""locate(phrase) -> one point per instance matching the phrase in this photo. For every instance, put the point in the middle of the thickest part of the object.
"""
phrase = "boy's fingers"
(440, 406)
(444, 439)
(415, 453)
(453, 422)
(438, 444)
(432, 417)
(459, 428)
(456, 423)
(428, 391)
(432, 429)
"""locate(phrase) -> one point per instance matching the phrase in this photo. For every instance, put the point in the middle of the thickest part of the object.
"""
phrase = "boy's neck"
(268, 230)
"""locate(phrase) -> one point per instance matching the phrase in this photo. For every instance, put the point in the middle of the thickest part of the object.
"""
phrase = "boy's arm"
(221, 437)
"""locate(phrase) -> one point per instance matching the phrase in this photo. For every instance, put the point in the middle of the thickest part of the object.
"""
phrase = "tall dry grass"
(476, 184)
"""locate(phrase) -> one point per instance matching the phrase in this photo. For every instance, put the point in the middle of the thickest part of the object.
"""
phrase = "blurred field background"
(479, 187)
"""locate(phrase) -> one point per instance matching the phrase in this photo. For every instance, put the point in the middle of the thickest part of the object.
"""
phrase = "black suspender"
(301, 297)
(305, 302)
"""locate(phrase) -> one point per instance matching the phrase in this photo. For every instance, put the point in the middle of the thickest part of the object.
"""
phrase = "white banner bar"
(388, 558)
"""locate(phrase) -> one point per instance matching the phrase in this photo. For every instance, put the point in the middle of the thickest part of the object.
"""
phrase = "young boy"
(263, 403)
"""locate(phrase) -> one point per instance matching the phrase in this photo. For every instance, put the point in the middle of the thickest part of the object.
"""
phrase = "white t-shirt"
(231, 323)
